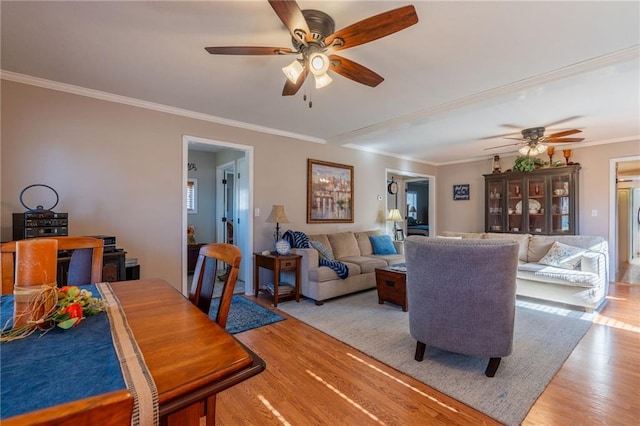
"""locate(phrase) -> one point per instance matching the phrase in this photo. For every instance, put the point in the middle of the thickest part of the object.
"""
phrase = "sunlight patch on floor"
(275, 412)
(432, 398)
(614, 323)
(556, 310)
(345, 397)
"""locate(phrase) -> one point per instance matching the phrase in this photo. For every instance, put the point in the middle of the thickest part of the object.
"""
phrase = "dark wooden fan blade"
(501, 146)
(563, 140)
(375, 27)
(354, 71)
(292, 88)
(248, 50)
(516, 139)
(564, 120)
(564, 133)
(291, 16)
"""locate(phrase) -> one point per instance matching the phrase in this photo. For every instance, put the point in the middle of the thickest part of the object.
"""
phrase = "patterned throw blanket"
(299, 239)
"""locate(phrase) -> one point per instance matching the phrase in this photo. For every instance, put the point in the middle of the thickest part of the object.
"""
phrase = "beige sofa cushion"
(324, 273)
(364, 243)
(366, 264)
(344, 244)
(522, 239)
(464, 235)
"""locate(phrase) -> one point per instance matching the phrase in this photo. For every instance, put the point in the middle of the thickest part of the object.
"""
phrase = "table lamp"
(277, 216)
(395, 217)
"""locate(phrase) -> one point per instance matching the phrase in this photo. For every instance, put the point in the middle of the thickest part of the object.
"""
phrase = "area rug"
(544, 338)
(244, 314)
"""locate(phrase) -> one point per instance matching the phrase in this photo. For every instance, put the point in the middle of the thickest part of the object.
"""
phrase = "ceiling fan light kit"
(536, 149)
(313, 34)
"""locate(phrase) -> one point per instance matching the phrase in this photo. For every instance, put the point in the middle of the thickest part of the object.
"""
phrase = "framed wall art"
(461, 192)
(329, 192)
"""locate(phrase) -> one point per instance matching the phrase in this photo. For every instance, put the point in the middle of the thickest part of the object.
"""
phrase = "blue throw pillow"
(382, 244)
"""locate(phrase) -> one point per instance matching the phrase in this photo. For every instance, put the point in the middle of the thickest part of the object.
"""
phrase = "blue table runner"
(58, 367)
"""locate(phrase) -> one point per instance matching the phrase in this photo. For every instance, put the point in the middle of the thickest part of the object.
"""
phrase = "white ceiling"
(465, 72)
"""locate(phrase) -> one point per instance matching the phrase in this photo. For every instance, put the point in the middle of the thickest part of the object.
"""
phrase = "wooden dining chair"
(204, 278)
(109, 409)
(85, 266)
(201, 293)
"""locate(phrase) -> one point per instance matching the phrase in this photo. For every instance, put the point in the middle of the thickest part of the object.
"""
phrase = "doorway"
(233, 200)
(624, 220)
(415, 199)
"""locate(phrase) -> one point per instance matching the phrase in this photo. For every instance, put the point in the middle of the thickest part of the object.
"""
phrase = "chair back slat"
(204, 278)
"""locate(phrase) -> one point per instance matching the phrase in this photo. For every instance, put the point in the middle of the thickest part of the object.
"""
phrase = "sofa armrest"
(310, 260)
(399, 245)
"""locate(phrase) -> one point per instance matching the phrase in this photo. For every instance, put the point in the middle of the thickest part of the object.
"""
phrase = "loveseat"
(353, 249)
(568, 269)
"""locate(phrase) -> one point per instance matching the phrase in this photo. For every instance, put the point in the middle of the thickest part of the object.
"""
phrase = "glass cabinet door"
(494, 205)
(536, 205)
(561, 206)
(515, 205)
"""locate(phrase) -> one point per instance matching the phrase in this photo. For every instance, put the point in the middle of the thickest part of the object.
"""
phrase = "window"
(192, 195)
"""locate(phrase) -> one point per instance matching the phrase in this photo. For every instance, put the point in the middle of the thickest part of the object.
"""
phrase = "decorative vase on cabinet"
(544, 201)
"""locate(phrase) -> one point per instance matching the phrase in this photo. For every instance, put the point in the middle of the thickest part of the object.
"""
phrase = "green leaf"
(68, 323)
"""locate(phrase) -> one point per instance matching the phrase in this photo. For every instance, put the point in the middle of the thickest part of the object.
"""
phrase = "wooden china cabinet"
(544, 201)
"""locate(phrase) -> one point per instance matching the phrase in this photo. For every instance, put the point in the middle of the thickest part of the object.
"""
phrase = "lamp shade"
(293, 71)
(413, 209)
(277, 215)
(394, 215)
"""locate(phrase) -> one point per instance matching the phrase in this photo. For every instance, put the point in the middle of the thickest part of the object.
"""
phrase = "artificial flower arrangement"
(71, 307)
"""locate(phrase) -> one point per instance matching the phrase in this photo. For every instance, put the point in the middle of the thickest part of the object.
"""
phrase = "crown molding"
(110, 97)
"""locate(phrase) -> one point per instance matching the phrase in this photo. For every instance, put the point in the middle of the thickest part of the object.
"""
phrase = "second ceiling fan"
(313, 35)
(533, 138)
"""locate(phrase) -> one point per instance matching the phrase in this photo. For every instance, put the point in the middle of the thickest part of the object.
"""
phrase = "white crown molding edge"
(624, 55)
(110, 97)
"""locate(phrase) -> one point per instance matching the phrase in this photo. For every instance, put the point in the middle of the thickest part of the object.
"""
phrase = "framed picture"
(329, 192)
(461, 192)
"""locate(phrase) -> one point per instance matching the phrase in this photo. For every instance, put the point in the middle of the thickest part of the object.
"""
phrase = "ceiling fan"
(533, 138)
(313, 35)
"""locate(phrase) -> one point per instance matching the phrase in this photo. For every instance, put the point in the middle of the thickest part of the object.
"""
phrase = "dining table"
(187, 358)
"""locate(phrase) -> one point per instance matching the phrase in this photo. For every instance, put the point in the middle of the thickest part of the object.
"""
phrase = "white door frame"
(432, 193)
(613, 213)
(248, 150)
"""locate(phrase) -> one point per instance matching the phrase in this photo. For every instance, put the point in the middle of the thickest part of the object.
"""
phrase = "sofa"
(353, 249)
(566, 269)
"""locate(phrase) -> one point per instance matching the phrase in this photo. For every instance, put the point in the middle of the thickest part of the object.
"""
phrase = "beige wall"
(595, 189)
(118, 170)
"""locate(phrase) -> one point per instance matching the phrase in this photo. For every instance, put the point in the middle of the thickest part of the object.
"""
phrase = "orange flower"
(74, 311)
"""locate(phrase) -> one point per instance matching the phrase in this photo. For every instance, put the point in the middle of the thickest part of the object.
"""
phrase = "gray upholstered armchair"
(461, 296)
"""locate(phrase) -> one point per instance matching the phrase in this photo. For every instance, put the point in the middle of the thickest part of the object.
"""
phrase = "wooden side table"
(276, 263)
(392, 286)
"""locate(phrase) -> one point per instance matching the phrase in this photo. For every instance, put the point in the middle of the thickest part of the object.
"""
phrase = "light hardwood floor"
(313, 379)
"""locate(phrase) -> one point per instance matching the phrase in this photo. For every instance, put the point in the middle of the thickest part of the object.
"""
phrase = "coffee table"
(391, 282)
